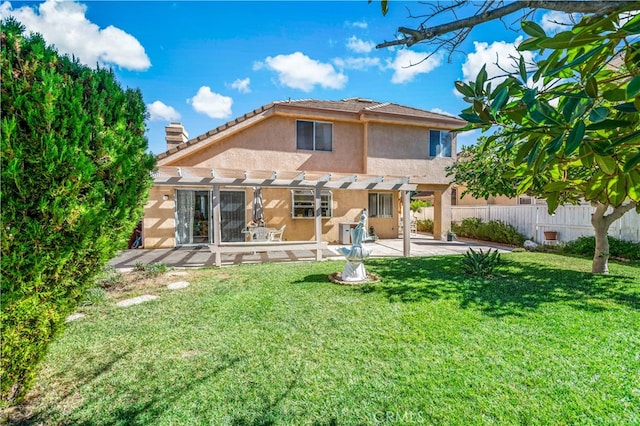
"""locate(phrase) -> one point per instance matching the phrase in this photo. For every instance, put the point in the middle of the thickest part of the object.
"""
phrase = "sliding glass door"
(194, 222)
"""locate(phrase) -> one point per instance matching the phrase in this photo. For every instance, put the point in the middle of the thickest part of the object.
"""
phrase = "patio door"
(193, 217)
(232, 215)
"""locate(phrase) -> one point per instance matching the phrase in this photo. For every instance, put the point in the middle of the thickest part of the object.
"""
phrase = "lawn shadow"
(516, 288)
(149, 407)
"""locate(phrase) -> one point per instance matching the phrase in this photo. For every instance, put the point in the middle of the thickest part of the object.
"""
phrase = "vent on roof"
(175, 134)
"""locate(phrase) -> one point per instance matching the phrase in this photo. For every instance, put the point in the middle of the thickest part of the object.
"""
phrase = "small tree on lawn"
(568, 124)
(75, 174)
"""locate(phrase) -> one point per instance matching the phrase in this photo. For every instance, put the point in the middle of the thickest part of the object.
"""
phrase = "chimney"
(175, 135)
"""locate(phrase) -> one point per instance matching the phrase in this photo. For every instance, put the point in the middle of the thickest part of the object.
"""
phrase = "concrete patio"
(200, 256)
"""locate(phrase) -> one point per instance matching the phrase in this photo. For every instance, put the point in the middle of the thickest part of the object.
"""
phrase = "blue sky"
(204, 63)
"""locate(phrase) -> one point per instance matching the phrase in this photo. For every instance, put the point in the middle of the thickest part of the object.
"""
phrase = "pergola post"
(406, 220)
(217, 228)
(318, 222)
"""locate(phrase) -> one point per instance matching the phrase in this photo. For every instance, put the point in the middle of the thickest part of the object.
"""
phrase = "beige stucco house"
(317, 164)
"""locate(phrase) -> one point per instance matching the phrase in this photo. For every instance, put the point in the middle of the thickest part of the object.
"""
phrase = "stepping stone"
(177, 274)
(178, 285)
(74, 317)
(136, 300)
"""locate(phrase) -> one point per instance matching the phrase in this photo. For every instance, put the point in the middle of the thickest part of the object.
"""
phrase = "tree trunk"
(601, 224)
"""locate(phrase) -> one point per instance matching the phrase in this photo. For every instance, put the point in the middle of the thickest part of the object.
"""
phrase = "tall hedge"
(75, 174)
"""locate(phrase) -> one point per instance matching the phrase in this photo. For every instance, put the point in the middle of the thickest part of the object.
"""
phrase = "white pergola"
(317, 181)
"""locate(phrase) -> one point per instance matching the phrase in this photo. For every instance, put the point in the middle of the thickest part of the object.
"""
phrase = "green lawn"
(544, 342)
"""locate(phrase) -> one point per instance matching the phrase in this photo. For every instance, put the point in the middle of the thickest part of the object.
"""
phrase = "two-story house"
(317, 164)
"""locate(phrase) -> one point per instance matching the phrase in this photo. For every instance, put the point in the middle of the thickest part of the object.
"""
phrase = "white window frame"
(303, 204)
(314, 136)
(379, 197)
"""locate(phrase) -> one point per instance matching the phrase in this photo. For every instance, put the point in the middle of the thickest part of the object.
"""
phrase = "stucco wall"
(404, 150)
(271, 145)
(159, 220)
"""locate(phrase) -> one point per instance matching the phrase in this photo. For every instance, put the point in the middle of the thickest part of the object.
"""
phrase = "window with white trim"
(380, 204)
(440, 143)
(314, 135)
(303, 203)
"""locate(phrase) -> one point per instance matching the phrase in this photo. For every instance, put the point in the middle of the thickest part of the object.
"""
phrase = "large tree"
(568, 124)
(75, 173)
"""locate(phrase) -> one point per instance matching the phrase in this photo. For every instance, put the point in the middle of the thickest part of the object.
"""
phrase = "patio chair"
(277, 235)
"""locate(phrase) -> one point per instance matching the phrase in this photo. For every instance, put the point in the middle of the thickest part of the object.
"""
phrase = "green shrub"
(75, 174)
(139, 266)
(110, 278)
(155, 269)
(94, 296)
(425, 225)
(586, 246)
(493, 230)
(480, 263)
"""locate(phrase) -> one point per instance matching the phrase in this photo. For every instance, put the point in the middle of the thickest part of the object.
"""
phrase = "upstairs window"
(440, 143)
(380, 204)
(314, 135)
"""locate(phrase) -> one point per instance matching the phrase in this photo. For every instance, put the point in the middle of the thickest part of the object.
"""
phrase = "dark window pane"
(434, 141)
(304, 135)
(323, 137)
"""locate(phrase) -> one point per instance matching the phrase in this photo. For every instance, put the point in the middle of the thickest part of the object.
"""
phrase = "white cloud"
(298, 71)
(498, 58)
(357, 24)
(242, 86)
(212, 104)
(441, 111)
(359, 46)
(408, 64)
(64, 25)
(359, 64)
(555, 21)
(158, 111)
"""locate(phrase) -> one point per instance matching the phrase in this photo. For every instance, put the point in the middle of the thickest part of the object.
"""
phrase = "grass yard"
(543, 342)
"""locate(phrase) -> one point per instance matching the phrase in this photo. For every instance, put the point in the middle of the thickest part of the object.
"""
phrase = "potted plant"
(550, 235)
(450, 235)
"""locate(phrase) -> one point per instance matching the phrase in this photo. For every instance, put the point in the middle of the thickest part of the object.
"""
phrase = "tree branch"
(619, 211)
(597, 8)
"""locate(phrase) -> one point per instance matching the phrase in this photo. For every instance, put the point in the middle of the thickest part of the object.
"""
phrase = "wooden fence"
(569, 221)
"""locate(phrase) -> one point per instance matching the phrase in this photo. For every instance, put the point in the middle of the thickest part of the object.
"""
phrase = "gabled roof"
(357, 108)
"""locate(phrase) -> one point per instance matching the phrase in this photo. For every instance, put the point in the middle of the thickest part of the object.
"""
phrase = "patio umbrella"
(257, 212)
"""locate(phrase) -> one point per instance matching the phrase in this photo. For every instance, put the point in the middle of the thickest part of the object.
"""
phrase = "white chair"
(277, 235)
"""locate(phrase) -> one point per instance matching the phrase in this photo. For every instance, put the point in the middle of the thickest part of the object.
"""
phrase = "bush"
(155, 269)
(493, 230)
(586, 246)
(425, 225)
(479, 263)
(75, 175)
(110, 278)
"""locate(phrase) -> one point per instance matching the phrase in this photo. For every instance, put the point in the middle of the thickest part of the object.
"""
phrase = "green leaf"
(591, 88)
(556, 186)
(608, 124)
(616, 189)
(555, 144)
(464, 89)
(595, 186)
(633, 136)
(525, 184)
(598, 114)
(533, 29)
(499, 100)
(577, 61)
(633, 184)
(614, 95)
(631, 163)
(522, 67)
(471, 118)
(633, 88)
(607, 164)
(575, 137)
(481, 78)
(633, 25)
(626, 107)
(530, 44)
(569, 108)
(586, 155)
